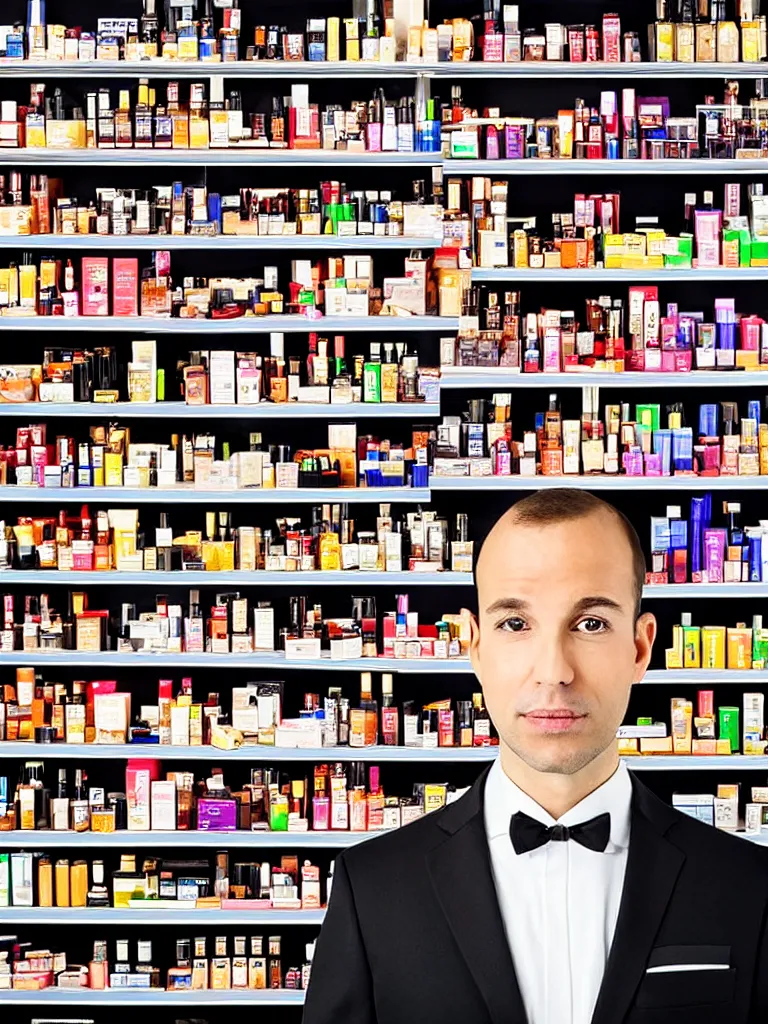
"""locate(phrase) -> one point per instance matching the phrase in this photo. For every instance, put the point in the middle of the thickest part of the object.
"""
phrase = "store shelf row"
(356, 495)
(238, 325)
(500, 377)
(276, 661)
(173, 69)
(157, 915)
(218, 243)
(263, 578)
(264, 410)
(375, 755)
(598, 276)
(83, 999)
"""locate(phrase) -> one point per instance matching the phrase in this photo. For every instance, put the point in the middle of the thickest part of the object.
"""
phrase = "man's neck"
(558, 793)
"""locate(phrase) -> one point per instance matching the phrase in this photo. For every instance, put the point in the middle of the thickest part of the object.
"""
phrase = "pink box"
(125, 287)
(95, 286)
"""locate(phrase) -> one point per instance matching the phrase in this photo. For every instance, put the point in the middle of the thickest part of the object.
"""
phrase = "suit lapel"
(653, 866)
(460, 870)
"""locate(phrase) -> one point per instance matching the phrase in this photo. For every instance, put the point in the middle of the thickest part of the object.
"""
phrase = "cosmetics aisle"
(240, 644)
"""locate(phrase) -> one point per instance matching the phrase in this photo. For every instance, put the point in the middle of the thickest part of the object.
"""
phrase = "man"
(558, 890)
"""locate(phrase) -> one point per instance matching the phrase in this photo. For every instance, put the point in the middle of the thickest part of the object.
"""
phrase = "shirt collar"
(503, 798)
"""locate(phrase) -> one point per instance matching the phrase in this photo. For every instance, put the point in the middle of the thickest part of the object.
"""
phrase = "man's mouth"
(553, 719)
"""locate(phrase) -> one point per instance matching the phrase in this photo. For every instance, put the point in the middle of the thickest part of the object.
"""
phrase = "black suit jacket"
(414, 934)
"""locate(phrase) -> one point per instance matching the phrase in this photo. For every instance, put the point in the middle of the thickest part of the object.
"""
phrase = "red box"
(95, 286)
(125, 287)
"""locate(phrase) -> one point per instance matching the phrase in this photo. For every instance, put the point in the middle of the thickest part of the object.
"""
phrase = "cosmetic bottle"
(390, 719)
(180, 976)
(481, 728)
(98, 968)
(98, 894)
(144, 963)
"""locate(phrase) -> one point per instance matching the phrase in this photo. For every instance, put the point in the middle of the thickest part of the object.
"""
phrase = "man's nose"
(554, 665)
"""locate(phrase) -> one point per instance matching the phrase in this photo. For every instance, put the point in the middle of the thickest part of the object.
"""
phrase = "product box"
(125, 287)
(95, 283)
(216, 815)
(137, 791)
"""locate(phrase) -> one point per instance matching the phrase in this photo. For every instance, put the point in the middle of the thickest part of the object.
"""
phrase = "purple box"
(216, 815)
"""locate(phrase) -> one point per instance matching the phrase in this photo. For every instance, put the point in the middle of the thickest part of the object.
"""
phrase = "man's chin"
(556, 756)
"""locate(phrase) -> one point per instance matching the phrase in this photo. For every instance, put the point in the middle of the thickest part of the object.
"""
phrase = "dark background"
(640, 196)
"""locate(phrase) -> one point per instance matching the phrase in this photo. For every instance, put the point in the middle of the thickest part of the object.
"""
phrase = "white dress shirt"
(560, 902)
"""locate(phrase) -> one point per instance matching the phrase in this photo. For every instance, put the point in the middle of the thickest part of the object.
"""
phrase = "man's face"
(556, 647)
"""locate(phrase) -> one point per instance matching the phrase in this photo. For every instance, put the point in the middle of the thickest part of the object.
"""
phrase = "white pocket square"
(673, 968)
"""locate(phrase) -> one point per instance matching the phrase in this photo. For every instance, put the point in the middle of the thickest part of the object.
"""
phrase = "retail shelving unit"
(474, 489)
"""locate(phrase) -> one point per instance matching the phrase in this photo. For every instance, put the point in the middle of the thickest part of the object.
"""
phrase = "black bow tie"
(528, 834)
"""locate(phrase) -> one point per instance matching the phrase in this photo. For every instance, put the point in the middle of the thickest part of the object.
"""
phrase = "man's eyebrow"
(507, 604)
(596, 601)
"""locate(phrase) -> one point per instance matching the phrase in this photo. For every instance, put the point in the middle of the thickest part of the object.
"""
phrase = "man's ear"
(474, 643)
(645, 634)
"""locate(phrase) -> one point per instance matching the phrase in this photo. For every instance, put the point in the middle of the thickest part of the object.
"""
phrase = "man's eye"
(513, 625)
(592, 626)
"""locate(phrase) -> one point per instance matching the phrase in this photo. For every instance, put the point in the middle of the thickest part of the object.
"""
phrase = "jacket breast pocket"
(686, 988)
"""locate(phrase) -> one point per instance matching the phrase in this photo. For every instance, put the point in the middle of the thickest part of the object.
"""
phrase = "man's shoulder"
(401, 848)
(713, 846)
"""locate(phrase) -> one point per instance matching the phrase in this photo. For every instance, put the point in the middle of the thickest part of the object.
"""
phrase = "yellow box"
(113, 469)
(656, 745)
(628, 746)
(65, 134)
(713, 647)
(665, 42)
(674, 654)
(682, 725)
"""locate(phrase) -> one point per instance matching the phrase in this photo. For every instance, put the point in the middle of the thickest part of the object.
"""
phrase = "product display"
(637, 127)
(99, 713)
(242, 645)
(589, 235)
(118, 288)
(201, 120)
(613, 337)
(480, 443)
(341, 797)
(38, 205)
(111, 459)
(246, 968)
(233, 624)
(649, 737)
(317, 371)
(333, 541)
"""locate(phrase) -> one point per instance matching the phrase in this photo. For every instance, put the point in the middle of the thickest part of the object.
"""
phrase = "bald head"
(562, 505)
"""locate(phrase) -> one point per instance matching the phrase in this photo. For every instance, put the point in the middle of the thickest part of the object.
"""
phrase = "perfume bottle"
(98, 894)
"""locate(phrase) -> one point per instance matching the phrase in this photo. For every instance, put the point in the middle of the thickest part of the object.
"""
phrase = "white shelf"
(189, 495)
(82, 1000)
(690, 762)
(614, 168)
(687, 590)
(240, 325)
(156, 915)
(338, 579)
(159, 68)
(596, 69)
(264, 410)
(217, 244)
(42, 840)
(601, 275)
(91, 751)
(275, 662)
(706, 676)
(595, 483)
(245, 156)
(462, 377)
(262, 578)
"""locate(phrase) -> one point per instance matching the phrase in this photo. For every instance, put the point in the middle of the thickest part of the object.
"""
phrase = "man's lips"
(553, 719)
